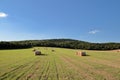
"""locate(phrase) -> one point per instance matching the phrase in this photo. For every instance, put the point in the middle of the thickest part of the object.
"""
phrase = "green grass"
(63, 64)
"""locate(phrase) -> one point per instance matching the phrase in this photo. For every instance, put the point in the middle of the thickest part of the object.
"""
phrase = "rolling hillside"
(62, 43)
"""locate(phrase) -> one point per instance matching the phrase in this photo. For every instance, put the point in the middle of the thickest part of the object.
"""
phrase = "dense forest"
(62, 43)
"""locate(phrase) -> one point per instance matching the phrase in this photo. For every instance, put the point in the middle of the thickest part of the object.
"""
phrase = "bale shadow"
(42, 55)
(87, 55)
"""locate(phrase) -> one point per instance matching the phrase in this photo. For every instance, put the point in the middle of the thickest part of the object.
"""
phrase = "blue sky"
(87, 20)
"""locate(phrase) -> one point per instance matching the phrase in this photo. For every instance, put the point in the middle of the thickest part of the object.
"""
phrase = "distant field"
(63, 64)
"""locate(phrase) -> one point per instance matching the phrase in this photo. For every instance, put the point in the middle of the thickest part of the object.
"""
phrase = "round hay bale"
(53, 50)
(37, 52)
(34, 50)
(81, 53)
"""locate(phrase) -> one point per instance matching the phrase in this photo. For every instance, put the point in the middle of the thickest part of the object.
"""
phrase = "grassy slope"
(62, 64)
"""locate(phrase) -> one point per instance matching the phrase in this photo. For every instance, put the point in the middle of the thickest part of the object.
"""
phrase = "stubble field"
(62, 64)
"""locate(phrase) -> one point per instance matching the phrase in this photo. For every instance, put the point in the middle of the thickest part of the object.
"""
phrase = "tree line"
(62, 43)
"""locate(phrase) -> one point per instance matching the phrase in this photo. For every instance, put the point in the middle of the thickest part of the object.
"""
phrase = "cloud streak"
(94, 31)
(3, 15)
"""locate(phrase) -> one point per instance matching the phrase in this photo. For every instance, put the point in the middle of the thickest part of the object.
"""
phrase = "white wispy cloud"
(3, 15)
(94, 31)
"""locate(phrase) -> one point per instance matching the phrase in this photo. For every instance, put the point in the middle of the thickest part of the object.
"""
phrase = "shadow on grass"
(42, 55)
(84, 55)
(87, 55)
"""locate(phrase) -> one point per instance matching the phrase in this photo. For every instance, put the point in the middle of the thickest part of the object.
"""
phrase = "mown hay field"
(60, 64)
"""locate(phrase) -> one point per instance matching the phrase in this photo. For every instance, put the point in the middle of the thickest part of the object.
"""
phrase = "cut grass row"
(62, 64)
